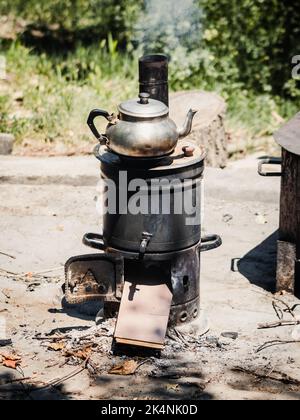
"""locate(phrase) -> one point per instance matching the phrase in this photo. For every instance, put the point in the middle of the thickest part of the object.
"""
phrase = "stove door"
(94, 277)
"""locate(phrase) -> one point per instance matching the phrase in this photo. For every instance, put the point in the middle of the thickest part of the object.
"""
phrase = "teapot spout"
(187, 127)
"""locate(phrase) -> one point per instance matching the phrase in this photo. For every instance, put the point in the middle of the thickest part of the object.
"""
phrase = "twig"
(288, 308)
(295, 307)
(8, 255)
(32, 275)
(76, 336)
(273, 375)
(12, 381)
(11, 273)
(181, 337)
(5, 294)
(280, 314)
(275, 343)
(277, 310)
(171, 375)
(143, 362)
(92, 332)
(278, 324)
(51, 338)
(177, 336)
(49, 270)
(56, 382)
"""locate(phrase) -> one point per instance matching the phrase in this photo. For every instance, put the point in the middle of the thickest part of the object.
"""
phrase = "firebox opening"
(148, 272)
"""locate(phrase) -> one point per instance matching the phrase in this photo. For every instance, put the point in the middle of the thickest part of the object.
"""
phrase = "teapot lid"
(144, 107)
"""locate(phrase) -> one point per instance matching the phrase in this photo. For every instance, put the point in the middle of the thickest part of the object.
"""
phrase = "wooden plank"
(144, 314)
(139, 343)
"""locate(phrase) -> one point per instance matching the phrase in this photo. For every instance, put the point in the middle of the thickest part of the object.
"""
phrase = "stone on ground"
(6, 143)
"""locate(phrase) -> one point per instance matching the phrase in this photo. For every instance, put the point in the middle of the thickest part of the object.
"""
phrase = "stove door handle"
(269, 161)
(94, 114)
(210, 242)
(93, 240)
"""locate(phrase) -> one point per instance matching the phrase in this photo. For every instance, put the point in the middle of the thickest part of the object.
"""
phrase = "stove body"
(159, 241)
(159, 244)
(152, 240)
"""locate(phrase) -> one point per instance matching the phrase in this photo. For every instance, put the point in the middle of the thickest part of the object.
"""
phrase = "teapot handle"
(98, 113)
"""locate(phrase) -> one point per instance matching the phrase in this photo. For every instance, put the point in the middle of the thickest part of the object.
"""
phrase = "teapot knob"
(144, 98)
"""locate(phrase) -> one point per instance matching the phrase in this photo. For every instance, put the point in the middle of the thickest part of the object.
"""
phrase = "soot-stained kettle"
(142, 128)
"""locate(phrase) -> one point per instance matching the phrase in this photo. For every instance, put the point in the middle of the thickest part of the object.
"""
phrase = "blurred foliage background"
(65, 57)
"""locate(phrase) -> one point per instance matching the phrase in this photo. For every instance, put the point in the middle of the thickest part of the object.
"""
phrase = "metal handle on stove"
(269, 161)
(93, 240)
(210, 242)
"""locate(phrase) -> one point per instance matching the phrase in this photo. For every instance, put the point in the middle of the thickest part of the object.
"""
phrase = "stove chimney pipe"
(153, 77)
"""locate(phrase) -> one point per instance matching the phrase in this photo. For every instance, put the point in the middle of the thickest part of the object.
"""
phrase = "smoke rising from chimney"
(166, 25)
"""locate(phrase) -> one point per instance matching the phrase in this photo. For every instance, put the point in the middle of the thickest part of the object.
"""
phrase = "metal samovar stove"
(148, 270)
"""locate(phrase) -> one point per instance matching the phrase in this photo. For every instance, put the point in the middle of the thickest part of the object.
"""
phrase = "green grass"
(59, 91)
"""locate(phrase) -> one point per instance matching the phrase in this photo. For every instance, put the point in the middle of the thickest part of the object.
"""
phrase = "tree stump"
(288, 267)
(208, 127)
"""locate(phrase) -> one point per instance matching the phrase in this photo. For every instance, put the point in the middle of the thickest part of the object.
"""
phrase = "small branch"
(56, 382)
(143, 362)
(11, 273)
(13, 381)
(295, 307)
(8, 255)
(288, 308)
(277, 310)
(274, 376)
(278, 324)
(269, 344)
(49, 270)
(33, 274)
(57, 338)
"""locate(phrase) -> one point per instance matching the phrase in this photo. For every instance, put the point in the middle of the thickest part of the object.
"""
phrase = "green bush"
(253, 41)
(237, 44)
(239, 48)
(78, 19)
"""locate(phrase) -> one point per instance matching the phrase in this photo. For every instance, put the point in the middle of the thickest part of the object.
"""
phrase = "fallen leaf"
(10, 356)
(12, 364)
(11, 361)
(127, 368)
(80, 354)
(56, 346)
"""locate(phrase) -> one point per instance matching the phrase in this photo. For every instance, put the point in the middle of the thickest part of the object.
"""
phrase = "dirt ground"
(42, 226)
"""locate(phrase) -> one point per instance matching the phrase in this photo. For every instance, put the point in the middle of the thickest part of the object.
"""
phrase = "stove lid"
(288, 136)
(144, 107)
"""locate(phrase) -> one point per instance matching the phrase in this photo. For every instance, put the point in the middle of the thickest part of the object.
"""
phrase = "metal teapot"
(142, 129)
